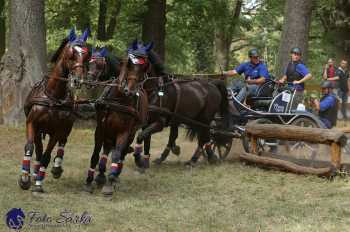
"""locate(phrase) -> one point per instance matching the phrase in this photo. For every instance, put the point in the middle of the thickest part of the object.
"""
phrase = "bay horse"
(191, 102)
(120, 111)
(104, 66)
(49, 110)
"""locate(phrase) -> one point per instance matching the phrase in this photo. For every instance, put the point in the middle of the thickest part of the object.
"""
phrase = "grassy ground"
(227, 197)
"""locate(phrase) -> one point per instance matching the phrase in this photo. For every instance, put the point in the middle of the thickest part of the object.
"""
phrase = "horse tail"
(224, 100)
(224, 104)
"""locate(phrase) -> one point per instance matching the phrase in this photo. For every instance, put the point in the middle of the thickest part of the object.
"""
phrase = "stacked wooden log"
(334, 138)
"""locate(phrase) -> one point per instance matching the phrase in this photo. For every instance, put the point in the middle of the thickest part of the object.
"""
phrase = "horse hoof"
(176, 150)
(157, 161)
(24, 182)
(100, 179)
(38, 189)
(56, 172)
(88, 188)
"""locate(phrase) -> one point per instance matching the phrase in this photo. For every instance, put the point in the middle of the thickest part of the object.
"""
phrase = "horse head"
(71, 55)
(97, 64)
(137, 65)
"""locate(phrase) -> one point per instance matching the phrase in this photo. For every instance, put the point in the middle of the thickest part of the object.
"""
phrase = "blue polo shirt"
(326, 103)
(303, 71)
(253, 71)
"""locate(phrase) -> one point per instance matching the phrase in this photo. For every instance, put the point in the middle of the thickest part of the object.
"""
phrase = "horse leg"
(38, 153)
(204, 141)
(24, 180)
(144, 134)
(171, 143)
(94, 159)
(116, 165)
(101, 177)
(57, 165)
(44, 162)
(175, 149)
(197, 153)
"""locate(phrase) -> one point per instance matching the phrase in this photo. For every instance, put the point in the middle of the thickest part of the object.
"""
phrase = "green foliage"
(191, 27)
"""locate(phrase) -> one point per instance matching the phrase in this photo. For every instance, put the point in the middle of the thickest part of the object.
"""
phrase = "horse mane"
(58, 52)
(157, 63)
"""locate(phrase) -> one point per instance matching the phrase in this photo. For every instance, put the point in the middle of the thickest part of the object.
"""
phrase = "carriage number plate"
(286, 97)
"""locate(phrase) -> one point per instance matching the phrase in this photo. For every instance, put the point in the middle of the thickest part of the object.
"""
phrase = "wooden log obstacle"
(332, 137)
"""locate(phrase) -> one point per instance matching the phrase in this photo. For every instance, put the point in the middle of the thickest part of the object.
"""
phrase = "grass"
(226, 197)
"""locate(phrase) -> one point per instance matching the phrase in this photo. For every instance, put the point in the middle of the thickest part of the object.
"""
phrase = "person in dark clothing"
(296, 74)
(342, 77)
(327, 106)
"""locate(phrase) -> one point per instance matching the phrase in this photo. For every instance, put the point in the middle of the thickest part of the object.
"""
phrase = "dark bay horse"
(49, 110)
(120, 111)
(104, 66)
(192, 102)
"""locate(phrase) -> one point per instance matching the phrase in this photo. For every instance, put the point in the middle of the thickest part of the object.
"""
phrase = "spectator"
(329, 71)
(342, 77)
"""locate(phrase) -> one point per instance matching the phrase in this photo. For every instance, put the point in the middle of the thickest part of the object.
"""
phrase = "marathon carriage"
(273, 104)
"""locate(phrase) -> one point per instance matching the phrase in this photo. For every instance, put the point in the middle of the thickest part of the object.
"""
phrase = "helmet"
(327, 84)
(253, 52)
(296, 50)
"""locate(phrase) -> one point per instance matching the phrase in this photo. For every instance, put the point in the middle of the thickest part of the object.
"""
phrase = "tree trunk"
(153, 28)
(101, 28)
(25, 61)
(224, 36)
(83, 17)
(2, 28)
(113, 19)
(295, 31)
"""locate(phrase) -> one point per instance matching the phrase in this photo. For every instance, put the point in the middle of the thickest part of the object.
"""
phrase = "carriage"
(273, 104)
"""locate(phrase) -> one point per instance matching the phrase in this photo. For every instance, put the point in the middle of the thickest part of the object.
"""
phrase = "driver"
(255, 73)
(327, 106)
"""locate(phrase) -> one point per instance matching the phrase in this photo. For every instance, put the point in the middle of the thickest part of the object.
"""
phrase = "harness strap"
(178, 96)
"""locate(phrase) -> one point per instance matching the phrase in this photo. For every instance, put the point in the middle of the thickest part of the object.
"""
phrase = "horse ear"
(85, 34)
(134, 45)
(72, 36)
(149, 46)
(103, 52)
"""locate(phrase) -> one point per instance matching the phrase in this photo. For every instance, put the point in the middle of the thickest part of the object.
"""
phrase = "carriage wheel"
(301, 149)
(222, 149)
(262, 144)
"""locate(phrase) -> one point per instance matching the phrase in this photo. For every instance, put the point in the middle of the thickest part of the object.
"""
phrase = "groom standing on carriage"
(255, 72)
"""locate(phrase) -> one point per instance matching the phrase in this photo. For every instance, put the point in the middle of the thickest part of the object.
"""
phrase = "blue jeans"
(344, 100)
(249, 90)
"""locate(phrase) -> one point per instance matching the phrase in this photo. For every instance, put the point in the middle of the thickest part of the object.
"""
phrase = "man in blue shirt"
(255, 73)
(296, 74)
(327, 106)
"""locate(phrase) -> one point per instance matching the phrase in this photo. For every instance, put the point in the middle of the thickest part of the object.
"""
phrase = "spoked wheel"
(263, 145)
(222, 149)
(301, 149)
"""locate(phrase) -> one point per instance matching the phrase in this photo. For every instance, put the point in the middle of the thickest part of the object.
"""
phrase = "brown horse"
(120, 111)
(49, 110)
(191, 102)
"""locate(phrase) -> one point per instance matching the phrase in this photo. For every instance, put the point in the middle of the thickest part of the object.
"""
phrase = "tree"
(83, 14)
(2, 28)
(295, 32)
(25, 60)
(153, 28)
(105, 32)
(227, 21)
